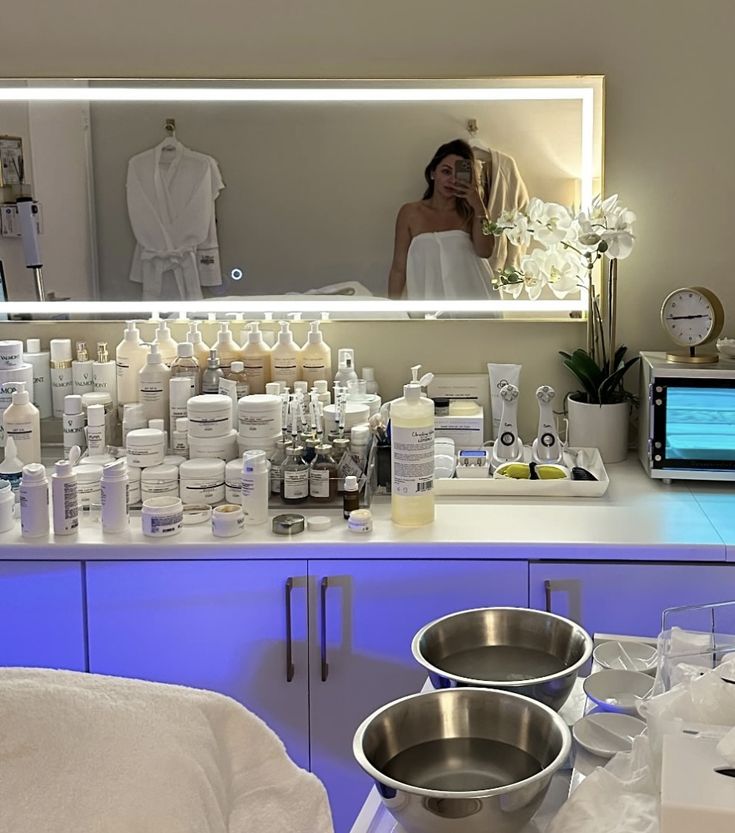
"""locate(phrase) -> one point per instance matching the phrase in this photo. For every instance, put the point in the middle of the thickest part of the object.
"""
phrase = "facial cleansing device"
(546, 446)
(508, 446)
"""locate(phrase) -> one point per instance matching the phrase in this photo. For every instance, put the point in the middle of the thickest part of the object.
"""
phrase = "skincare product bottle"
(96, 431)
(368, 375)
(11, 468)
(64, 499)
(316, 357)
(114, 489)
(255, 487)
(351, 496)
(185, 365)
(285, 358)
(276, 460)
(228, 350)
(7, 506)
(412, 458)
(321, 386)
(256, 359)
(167, 347)
(73, 424)
(130, 356)
(295, 476)
(160, 425)
(61, 378)
(40, 361)
(237, 374)
(346, 367)
(22, 422)
(81, 371)
(104, 374)
(34, 517)
(323, 475)
(180, 437)
(201, 350)
(179, 393)
(212, 374)
(153, 380)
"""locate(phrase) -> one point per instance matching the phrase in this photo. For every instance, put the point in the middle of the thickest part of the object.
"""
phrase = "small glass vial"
(340, 447)
(310, 445)
(276, 460)
(186, 365)
(295, 482)
(351, 496)
(212, 374)
(237, 374)
(323, 475)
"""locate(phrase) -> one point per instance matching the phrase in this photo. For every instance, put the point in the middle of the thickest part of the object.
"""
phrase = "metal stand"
(40, 291)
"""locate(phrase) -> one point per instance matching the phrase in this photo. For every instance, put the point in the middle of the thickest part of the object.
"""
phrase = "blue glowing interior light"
(700, 424)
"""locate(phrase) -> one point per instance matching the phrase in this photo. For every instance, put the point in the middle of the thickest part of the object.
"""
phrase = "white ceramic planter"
(600, 426)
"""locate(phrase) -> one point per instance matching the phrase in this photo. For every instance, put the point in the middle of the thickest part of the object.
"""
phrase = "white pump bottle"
(286, 358)
(316, 357)
(130, 357)
(256, 360)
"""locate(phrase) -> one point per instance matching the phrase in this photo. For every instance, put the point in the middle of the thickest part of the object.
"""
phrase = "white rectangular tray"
(588, 458)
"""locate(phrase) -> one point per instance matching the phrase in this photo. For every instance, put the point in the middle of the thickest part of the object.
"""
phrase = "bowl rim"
(606, 672)
(600, 650)
(385, 780)
(474, 682)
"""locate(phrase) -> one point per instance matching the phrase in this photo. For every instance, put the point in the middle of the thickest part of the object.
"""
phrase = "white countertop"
(638, 519)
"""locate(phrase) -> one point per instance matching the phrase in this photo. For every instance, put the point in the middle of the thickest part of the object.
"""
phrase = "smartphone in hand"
(463, 171)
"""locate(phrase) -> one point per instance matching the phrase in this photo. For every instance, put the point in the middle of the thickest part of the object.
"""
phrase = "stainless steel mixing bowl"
(462, 760)
(529, 652)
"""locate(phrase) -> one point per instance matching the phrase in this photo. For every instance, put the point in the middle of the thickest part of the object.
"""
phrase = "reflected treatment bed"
(82, 752)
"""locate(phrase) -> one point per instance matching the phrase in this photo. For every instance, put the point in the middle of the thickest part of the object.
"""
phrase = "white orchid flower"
(619, 234)
(561, 270)
(554, 224)
(534, 279)
(519, 233)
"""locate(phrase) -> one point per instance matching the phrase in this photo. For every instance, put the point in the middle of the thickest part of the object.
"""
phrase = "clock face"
(691, 316)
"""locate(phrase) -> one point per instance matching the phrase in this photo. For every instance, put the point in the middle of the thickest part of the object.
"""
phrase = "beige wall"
(670, 121)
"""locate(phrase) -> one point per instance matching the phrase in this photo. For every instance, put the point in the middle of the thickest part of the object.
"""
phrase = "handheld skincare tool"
(508, 446)
(546, 446)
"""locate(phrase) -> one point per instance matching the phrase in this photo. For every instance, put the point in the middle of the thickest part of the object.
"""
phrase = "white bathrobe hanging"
(171, 192)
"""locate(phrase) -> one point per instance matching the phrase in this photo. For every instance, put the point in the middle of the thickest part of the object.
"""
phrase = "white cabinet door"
(218, 625)
(373, 609)
(42, 615)
(627, 598)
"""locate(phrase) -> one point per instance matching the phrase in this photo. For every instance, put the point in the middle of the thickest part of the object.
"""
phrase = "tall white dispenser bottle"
(286, 358)
(412, 458)
(316, 357)
(130, 357)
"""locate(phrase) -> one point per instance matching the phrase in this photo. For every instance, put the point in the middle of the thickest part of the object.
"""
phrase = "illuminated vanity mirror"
(305, 180)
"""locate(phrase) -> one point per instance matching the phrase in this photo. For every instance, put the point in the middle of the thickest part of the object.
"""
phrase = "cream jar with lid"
(233, 481)
(227, 520)
(159, 481)
(268, 445)
(145, 447)
(88, 484)
(134, 475)
(209, 415)
(162, 517)
(221, 448)
(202, 481)
(260, 416)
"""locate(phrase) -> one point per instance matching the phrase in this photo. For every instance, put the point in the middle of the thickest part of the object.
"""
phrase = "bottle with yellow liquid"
(412, 458)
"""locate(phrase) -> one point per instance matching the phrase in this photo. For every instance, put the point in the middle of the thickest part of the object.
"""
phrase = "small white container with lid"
(356, 413)
(173, 460)
(159, 481)
(266, 444)
(114, 515)
(228, 520)
(7, 505)
(202, 481)
(34, 503)
(360, 520)
(134, 475)
(221, 448)
(209, 415)
(162, 517)
(88, 484)
(11, 354)
(145, 447)
(260, 416)
(233, 481)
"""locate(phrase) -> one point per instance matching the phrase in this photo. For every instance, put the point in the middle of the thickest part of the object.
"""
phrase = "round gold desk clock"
(692, 316)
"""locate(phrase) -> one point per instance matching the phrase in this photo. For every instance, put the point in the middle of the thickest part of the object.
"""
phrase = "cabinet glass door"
(218, 625)
(373, 609)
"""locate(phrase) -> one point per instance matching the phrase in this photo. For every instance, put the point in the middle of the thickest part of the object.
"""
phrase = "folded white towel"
(82, 753)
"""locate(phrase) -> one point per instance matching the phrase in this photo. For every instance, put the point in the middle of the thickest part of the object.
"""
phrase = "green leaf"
(607, 389)
(587, 383)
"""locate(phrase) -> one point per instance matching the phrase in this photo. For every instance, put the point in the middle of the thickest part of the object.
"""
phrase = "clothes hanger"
(170, 142)
(480, 149)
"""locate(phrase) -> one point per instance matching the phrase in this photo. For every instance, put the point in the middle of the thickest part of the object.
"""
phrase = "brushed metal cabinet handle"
(290, 669)
(323, 647)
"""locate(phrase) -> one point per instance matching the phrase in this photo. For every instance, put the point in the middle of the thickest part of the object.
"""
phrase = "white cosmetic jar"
(228, 520)
(144, 447)
(222, 448)
(159, 481)
(360, 520)
(11, 354)
(233, 481)
(266, 444)
(356, 413)
(202, 481)
(209, 415)
(88, 484)
(162, 517)
(259, 416)
(133, 484)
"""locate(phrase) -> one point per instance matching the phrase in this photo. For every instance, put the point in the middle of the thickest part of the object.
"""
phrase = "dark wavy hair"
(457, 147)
